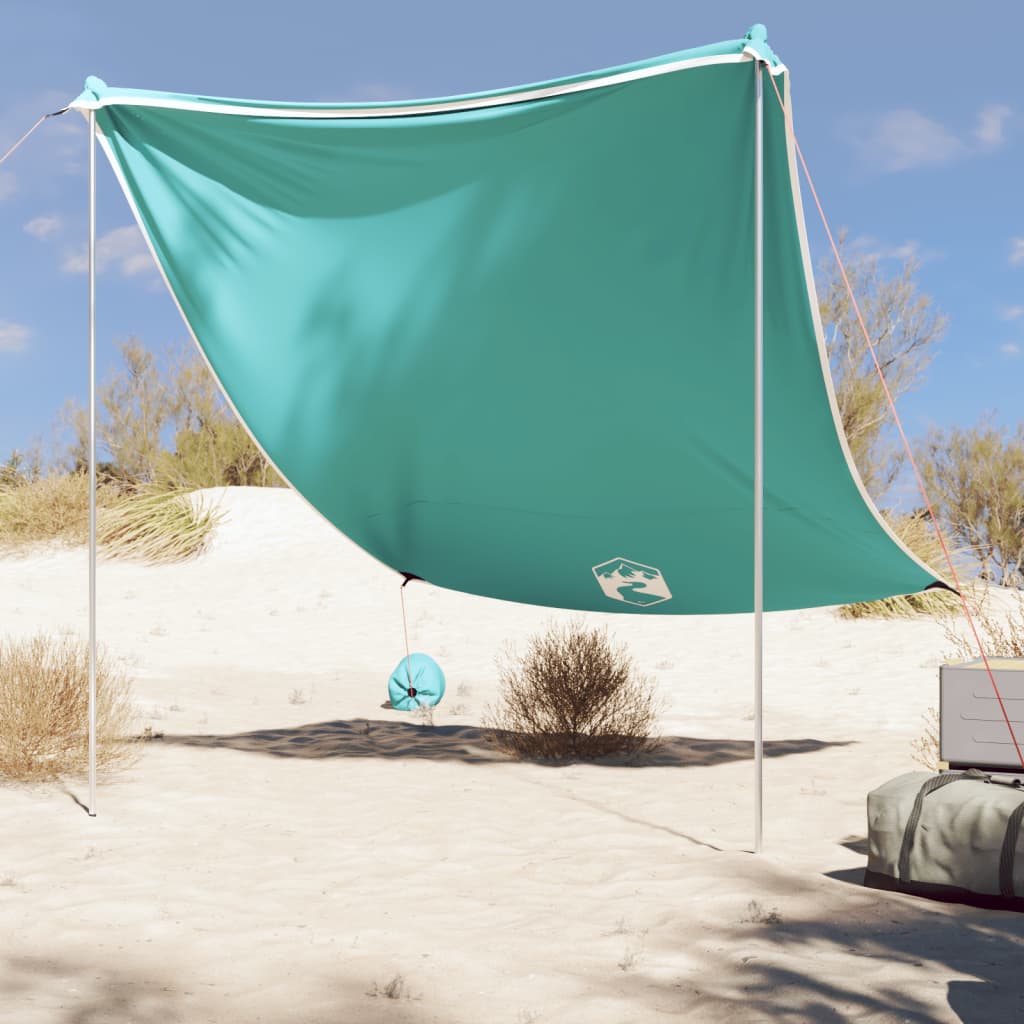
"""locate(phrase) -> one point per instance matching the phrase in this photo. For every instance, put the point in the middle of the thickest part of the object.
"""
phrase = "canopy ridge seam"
(903, 437)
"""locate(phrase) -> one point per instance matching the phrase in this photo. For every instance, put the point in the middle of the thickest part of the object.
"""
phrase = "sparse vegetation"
(1001, 634)
(44, 699)
(757, 914)
(573, 695)
(396, 988)
(424, 714)
(628, 960)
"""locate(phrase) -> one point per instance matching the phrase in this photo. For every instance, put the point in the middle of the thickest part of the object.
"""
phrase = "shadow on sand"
(97, 990)
(900, 964)
(468, 744)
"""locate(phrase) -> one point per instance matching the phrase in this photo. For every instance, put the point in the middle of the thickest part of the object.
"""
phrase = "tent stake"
(92, 463)
(758, 455)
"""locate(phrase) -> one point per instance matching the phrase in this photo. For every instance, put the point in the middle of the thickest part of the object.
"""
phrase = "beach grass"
(157, 527)
(149, 525)
(53, 508)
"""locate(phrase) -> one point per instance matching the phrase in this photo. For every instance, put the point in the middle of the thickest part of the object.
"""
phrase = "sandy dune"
(291, 851)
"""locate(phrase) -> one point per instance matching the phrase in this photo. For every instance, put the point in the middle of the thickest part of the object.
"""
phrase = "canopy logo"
(632, 582)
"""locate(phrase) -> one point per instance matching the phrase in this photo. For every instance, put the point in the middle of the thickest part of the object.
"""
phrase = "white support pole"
(758, 455)
(92, 463)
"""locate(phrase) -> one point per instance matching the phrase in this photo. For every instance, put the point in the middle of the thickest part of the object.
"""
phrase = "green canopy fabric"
(505, 342)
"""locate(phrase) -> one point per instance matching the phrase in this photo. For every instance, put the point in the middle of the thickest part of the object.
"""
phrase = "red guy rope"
(903, 436)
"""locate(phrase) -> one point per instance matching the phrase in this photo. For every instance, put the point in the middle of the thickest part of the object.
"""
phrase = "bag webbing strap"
(1009, 851)
(932, 784)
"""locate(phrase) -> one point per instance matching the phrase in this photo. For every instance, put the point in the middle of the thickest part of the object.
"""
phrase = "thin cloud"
(901, 140)
(123, 249)
(906, 251)
(1013, 312)
(8, 185)
(871, 248)
(14, 337)
(1016, 251)
(44, 227)
(990, 124)
(1010, 349)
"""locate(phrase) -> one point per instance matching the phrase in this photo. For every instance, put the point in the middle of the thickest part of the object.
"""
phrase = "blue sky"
(910, 115)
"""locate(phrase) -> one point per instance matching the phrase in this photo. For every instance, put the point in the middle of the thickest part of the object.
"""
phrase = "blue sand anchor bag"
(417, 682)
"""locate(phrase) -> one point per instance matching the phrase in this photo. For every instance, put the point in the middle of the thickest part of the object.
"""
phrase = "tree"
(211, 446)
(137, 406)
(904, 326)
(164, 423)
(976, 479)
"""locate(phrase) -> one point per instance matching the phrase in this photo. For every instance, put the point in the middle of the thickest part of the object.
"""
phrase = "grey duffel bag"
(951, 836)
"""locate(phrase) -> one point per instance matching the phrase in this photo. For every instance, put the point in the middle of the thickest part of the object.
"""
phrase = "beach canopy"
(505, 342)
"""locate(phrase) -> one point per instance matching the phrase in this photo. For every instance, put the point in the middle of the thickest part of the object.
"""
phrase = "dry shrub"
(396, 988)
(52, 508)
(573, 695)
(925, 749)
(156, 526)
(44, 709)
(1001, 632)
(757, 914)
(918, 534)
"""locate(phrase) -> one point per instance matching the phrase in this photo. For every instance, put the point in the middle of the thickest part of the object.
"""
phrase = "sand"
(292, 851)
